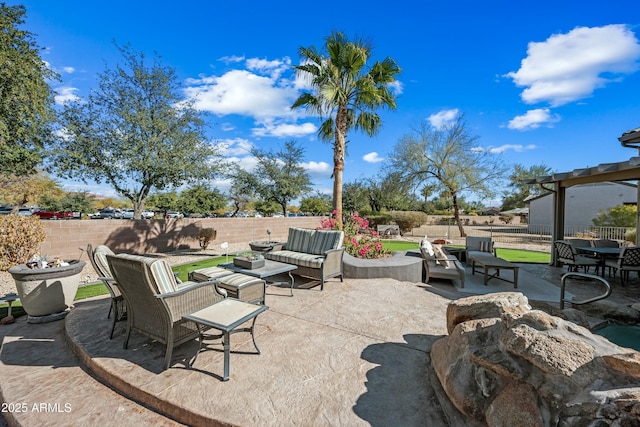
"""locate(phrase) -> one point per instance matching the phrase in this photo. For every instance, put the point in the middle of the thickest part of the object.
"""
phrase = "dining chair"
(628, 261)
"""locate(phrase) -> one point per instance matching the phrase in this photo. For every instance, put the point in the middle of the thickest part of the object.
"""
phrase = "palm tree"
(347, 93)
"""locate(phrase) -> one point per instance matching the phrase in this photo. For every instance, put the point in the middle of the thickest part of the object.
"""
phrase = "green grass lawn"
(512, 255)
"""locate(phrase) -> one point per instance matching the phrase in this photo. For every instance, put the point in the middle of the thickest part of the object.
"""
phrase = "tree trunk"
(456, 215)
(339, 148)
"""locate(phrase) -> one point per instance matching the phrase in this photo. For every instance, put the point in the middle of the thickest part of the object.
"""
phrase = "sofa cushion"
(324, 240)
(297, 258)
(208, 273)
(299, 239)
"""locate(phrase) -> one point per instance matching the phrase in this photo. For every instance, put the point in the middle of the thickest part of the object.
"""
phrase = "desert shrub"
(407, 220)
(630, 235)
(20, 239)
(205, 236)
(378, 219)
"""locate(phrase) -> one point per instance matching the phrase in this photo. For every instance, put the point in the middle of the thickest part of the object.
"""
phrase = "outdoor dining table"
(601, 253)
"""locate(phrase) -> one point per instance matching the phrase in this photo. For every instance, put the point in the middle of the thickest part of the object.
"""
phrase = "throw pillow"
(441, 257)
(428, 246)
(485, 246)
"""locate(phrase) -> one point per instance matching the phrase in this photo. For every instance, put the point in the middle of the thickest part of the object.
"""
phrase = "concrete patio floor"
(356, 353)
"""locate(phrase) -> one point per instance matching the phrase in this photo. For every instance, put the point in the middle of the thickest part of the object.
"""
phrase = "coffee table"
(488, 261)
(226, 316)
(270, 269)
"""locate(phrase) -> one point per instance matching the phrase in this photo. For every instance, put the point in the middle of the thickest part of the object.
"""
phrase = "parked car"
(127, 214)
(6, 210)
(54, 215)
(110, 214)
(147, 214)
(173, 214)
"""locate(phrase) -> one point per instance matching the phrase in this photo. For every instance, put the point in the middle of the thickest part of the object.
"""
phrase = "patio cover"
(623, 171)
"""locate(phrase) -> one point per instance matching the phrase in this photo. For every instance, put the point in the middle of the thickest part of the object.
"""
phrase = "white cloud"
(235, 147)
(69, 70)
(506, 147)
(285, 130)
(242, 92)
(568, 67)
(65, 94)
(533, 119)
(372, 157)
(443, 118)
(397, 87)
(232, 59)
(318, 169)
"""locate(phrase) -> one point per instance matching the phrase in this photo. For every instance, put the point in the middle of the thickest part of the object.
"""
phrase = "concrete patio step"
(44, 383)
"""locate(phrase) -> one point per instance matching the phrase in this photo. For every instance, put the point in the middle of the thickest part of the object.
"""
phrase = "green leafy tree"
(135, 133)
(449, 157)
(346, 95)
(166, 201)
(617, 216)
(80, 201)
(266, 207)
(316, 205)
(278, 176)
(519, 191)
(26, 99)
(355, 197)
(199, 199)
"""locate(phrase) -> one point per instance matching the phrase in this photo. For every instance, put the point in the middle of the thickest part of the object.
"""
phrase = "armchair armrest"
(334, 252)
(191, 298)
(278, 247)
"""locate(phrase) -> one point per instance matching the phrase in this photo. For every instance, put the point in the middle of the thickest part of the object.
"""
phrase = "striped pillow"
(486, 246)
(299, 239)
(324, 240)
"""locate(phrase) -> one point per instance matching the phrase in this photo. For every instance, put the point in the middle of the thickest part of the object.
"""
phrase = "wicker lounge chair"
(156, 303)
(118, 308)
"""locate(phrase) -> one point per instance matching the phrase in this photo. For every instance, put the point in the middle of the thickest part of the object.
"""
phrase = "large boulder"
(505, 364)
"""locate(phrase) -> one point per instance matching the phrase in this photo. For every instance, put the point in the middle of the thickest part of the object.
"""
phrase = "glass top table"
(270, 269)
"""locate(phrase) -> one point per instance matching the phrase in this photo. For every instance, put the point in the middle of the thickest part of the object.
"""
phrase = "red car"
(53, 215)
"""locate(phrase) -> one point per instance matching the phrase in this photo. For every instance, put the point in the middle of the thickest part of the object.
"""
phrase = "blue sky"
(545, 82)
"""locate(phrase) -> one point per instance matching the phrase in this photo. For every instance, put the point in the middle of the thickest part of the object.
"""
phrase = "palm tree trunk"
(339, 148)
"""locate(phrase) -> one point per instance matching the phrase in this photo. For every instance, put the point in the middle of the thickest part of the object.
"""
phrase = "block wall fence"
(65, 239)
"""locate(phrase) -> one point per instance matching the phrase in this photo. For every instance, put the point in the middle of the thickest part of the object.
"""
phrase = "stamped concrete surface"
(356, 353)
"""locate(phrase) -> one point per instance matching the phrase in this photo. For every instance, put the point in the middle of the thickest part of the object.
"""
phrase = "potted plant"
(46, 289)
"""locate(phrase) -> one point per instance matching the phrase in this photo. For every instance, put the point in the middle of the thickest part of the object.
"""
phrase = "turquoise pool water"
(623, 335)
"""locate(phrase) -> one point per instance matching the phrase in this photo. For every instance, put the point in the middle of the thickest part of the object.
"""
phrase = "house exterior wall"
(583, 202)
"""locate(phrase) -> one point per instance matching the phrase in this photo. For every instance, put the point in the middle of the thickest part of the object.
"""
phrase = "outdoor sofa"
(316, 253)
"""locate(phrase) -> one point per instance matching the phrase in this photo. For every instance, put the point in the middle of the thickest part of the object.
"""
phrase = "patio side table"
(226, 316)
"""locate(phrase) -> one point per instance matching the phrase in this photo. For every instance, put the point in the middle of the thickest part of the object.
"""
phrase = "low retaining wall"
(405, 266)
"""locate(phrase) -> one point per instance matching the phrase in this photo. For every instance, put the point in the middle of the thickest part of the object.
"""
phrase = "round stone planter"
(405, 266)
(47, 293)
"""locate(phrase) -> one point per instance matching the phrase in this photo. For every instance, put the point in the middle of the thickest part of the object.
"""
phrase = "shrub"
(630, 236)
(20, 239)
(360, 240)
(378, 219)
(408, 220)
(205, 236)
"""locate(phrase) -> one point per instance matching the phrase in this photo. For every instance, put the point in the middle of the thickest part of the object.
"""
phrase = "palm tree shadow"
(155, 236)
(399, 390)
